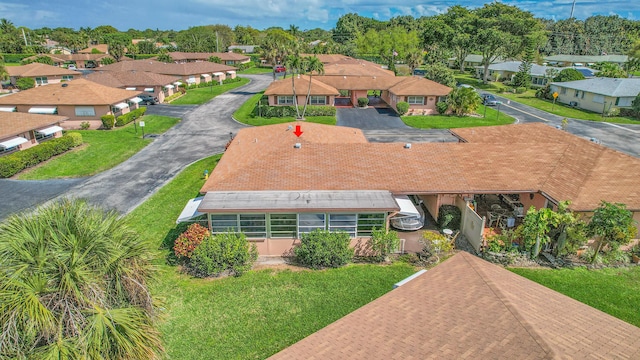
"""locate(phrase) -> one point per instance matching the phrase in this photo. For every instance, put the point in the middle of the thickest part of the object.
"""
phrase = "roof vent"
(407, 146)
(297, 145)
(65, 84)
(290, 127)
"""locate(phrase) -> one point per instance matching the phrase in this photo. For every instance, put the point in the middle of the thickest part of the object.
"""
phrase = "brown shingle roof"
(75, 92)
(419, 86)
(365, 82)
(204, 56)
(191, 68)
(122, 79)
(38, 69)
(74, 57)
(285, 87)
(355, 68)
(14, 123)
(265, 159)
(469, 308)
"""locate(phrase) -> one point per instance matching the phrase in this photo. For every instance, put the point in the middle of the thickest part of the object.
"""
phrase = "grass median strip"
(102, 150)
(202, 95)
(452, 122)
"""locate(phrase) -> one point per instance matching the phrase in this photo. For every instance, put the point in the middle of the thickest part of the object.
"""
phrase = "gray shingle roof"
(587, 58)
(514, 66)
(605, 86)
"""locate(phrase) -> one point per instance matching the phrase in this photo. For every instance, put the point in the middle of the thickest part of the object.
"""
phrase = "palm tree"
(414, 59)
(294, 30)
(312, 64)
(463, 100)
(294, 63)
(74, 285)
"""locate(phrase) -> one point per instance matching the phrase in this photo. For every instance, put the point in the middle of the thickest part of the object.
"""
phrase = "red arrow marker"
(298, 132)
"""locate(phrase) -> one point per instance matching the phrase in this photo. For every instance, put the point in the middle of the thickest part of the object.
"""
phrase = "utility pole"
(217, 41)
(25, 38)
(573, 6)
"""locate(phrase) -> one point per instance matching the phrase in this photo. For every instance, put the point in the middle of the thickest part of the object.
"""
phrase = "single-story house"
(274, 185)
(19, 131)
(505, 71)
(188, 72)
(588, 60)
(280, 92)
(43, 74)
(468, 308)
(470, 61)
(157, 85)
(601, 95)
(246, 49)
(227, 58)
(100, 48)
(80, 60)
(79, 100)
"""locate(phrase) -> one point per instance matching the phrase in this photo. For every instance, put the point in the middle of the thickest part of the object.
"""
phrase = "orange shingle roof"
(469, 308)
(365, 82)
(75, 92)
(265, 159)
(204, 56)
(285, 87)
(14, 123)
(38, 69)
(130, 78)
(418, 86)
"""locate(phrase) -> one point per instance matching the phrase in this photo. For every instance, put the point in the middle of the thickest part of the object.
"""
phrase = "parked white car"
(411, 215)
(71, 67)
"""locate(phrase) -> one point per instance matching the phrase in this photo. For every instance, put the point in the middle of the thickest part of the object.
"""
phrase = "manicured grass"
(103, 149)
(245, 115)
(256, 70)
(529, 98)
(202, 95)
(615, 291)
(452, 122)
(262, 312)
(155, 218)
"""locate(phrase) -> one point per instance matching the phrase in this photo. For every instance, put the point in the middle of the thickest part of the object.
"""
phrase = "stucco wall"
(538, 201)
(586, 101)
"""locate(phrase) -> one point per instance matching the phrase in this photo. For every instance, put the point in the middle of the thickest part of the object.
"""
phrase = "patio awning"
(121, 105)
(136, 100)
(148, 89)
(43, 110)
(13, 142)
(191, 80)
(50, 130)
(231, 72)
(190, 210)
(8, 108)
(169, 86)
(130, 88)
(218, 74)
(177, 83)
(206, 75)
(406, 206)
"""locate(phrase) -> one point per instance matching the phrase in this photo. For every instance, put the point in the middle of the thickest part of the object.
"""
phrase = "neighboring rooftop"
(122, 79)
(587, 59)
(469, 308)
(615, 87)
(38, 69)
(14, 123)
(284, 86)
(102, 48)
(514, 66)
(183, 69)
(204, 56)
(561, 165)
(247, 49)
(74, 92)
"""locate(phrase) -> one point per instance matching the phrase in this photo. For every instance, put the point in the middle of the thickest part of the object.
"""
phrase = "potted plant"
(635, 254)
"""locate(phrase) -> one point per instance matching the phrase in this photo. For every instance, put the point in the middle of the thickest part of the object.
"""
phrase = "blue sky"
(260, 14)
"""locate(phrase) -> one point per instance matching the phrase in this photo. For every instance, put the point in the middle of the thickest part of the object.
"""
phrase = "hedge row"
(130, 116)
(18, 161)
(287, 111)
(215, 83)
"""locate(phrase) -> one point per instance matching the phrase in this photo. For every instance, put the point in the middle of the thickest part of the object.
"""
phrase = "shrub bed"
(130, 116)
(18, 161)
(363, 101)
(449, 217)
(223, 253)
(322, 248)
(108, 121)
(212, 83)
(402, 107)
(15, 58)
(286, 111)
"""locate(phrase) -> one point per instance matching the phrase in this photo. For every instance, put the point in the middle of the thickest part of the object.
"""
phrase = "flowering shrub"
(189, 240)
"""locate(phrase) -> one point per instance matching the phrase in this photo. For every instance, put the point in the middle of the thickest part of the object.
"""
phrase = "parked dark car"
(148, 99)
(90, 65)
(489, 100)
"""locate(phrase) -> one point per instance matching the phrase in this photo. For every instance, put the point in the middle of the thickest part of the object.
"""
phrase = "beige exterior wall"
(74, 121)
(51, 79)
(585, 100)
(273, 100)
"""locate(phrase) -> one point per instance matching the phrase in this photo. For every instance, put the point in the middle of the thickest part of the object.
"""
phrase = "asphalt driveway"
(178, 111)
(369, 118)
(18, 195)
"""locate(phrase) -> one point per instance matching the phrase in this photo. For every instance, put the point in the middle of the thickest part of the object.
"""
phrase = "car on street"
(148, 99)
(489, 100)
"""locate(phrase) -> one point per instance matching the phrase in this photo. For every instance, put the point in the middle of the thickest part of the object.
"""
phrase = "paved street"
(178, 111)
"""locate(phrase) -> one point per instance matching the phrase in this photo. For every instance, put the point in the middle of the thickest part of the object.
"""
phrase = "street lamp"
(498, 115)
(142, 128)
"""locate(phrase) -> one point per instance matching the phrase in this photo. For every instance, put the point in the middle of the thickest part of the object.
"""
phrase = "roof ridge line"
(499, 294)
(557, 164)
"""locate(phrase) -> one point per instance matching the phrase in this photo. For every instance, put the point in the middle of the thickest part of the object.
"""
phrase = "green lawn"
(256, 70)
(615, 291)
(202, 95)
(245, 116)
(102, 150)
(452, 122)
(262, 312)
(529, 98)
